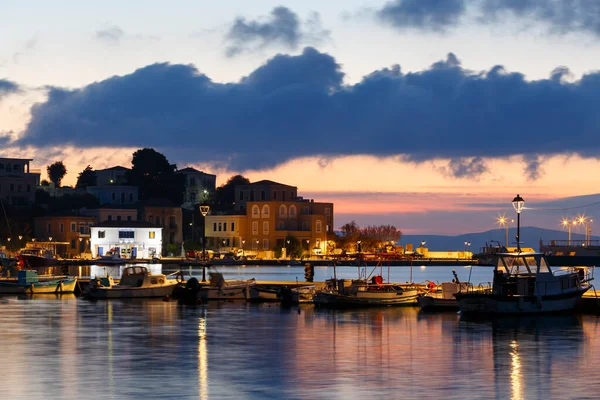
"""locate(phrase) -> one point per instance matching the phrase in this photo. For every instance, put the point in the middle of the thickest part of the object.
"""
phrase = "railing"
(575, 243)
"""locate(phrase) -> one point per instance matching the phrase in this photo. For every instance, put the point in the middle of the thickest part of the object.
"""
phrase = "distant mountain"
(530, 237)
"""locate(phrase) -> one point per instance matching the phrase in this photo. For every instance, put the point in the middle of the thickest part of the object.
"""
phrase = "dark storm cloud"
(282, 27)
(298, 106)
(562, 16)
(436, 15)
(7, 87)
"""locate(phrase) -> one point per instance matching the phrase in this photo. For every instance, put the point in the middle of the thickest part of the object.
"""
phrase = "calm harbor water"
(63, 347)
(70, 348)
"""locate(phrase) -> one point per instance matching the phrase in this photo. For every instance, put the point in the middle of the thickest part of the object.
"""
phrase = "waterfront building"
(261, 226)
(197, 185)
(264, 190)
(130, 239)
(110, 212)
(69, 232)
(163, 213)
(17, 181)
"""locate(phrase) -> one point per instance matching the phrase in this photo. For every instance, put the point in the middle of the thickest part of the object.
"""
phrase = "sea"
(66, 347)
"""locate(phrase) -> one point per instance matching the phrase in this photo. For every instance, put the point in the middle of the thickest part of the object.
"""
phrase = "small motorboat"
(441, 297)
(264, 293)
(297, 295)
(363, 293)
(135, 282)
(219, 289)
(28, 282)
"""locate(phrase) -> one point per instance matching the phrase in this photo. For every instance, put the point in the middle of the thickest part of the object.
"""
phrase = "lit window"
(255, 228)
(255, 211)
(265, 211)
(152, 235)
(318, 226)
(292, 211)
(266, 227)
(282, 211)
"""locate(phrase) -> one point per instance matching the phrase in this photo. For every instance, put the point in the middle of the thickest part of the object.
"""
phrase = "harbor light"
(204, 209)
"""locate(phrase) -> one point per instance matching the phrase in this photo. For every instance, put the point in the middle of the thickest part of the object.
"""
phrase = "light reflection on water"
(65, 347)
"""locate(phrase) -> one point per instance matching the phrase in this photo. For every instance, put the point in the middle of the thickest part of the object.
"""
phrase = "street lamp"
(204, 209)
(20, 237)
(568, 224)
(518, 204)
(503, 221)
(243, 248)
(287, 249)
(358, 249)
(308, 247)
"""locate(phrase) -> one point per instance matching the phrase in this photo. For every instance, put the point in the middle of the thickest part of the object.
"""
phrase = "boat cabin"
(528, 274)
(140, 276)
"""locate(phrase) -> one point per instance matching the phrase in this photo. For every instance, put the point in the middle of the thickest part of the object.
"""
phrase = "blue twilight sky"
(410, 112)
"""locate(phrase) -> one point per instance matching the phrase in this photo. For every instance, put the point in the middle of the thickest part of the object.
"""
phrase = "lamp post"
(192, 225)
(358, 249)
(287, 249)
(308, 247)
(204, 209)
(243, 248)
(503, 221)
(568, 224)
(518, 204)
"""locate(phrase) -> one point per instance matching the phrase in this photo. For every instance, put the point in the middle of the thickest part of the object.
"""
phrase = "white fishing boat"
(135, 282)
(219, 289)
(524, 283)
(363, 293)
(441, 297)
(28, 282)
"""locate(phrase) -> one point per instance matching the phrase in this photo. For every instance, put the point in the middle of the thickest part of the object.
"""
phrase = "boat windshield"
(522, 264)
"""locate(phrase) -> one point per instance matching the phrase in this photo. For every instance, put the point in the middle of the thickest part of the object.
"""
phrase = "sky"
(430, 115)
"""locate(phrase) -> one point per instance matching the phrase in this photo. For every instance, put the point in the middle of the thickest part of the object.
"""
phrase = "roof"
(64, 214)
(190, 170)
(157, 202)
(126, 224)
(117, 168)
(268, 182)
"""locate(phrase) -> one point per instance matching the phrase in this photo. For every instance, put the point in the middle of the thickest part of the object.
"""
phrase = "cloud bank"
(282, 27)
(560, 16)
(7, 87)
(294, 106)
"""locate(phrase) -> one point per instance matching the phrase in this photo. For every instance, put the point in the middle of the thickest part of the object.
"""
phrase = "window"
(122, 198)
(283, 195)
(49, 228)
(327, 211)
(318, 226)
(265, 244)
(129, 218)
(114, 195)
(110, 217)
(214, 226)
(255, 228)
(292, 211)
(274, 194)
(151, 219)
(220, 226)
(126, 235)
(118, 217)
(282, 211)
(265, 211)
(224, 226)
(61, 227)
(232, 226)
(255, 211)
(101, 234)
(73, 227)
(157, 220)
(73, 245)
(131, 197)
(192, 181)
(254, 244)
(263, 196)
(281, 226)
(241, 195)
(252, 195)
(305, 210)
(266, 227)
(304, 226)
(152, 235)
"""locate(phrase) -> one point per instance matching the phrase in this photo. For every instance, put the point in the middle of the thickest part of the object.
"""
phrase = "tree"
(86, 178)
(350, 234)
(56, 173)
(155, 177)
(225, 194)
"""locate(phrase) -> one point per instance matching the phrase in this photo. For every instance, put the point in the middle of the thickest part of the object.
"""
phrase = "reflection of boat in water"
(28, 282)
(135, 282)
(219, 289)
(363, 293)
(297, 295)
(525, 284)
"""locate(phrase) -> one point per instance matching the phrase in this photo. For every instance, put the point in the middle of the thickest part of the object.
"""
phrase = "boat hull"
(227, 292)
(51, 287)
(485, 303)
(263, 294)
(436, 303)
(337, 300)
(117, 292)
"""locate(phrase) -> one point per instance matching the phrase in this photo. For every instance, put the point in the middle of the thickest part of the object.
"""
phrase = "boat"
(28, 282)
(135, 281)
(219, 289)
(297, 295)
(441, 297)
(112, 257)
(363, 293)
(524, 283)
(37, 257)
(263, 293)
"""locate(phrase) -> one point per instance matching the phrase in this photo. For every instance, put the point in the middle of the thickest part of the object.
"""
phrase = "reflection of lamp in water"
(202, 357)
(515, 371)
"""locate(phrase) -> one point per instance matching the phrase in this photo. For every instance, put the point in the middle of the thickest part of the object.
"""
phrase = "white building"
(131, 239)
